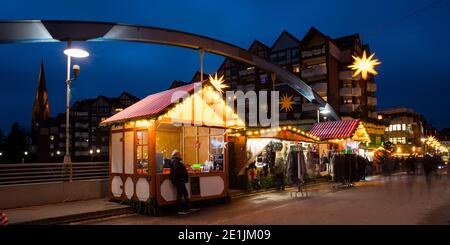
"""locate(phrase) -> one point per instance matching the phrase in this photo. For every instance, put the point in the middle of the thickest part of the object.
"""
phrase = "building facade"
(88, 141)
(322, 62)
(405, 129)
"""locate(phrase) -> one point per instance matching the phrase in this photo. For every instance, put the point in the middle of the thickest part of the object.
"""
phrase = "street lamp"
(76, 53)
(321, 110)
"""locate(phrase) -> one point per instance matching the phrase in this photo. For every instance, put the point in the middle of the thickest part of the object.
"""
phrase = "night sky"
(411, 39)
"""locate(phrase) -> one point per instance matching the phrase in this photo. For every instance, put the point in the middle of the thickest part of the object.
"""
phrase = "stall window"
(142, 151)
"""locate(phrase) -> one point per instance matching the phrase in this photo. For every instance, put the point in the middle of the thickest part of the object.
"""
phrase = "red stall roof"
(151, 105)
(335, 129)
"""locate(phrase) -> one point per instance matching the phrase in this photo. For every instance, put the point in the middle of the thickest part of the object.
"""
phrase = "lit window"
(403, 127)
(52, 137)
(409, 127)
(142, 151)
(296, 68)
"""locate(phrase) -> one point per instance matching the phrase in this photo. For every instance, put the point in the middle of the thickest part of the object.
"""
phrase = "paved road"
(398, 200)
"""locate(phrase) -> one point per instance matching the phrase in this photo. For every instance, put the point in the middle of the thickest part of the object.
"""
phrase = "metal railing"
(31, 173)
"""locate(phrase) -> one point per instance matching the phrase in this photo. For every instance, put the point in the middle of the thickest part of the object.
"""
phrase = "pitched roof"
(311, 33)
(258, 43)
(290, 40)
(335, 129)
(151, 105)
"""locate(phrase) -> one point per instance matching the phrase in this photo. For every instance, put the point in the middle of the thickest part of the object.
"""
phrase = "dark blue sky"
(415, 51)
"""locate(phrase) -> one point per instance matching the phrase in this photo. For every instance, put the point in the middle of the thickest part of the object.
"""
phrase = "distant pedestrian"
(279, 170)
(179, 177)
(3, 218)
(428, 168)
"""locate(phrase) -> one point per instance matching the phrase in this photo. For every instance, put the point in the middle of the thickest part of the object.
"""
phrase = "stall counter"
(201, 186)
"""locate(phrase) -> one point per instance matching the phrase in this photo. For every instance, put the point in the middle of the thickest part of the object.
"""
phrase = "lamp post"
(76, 53)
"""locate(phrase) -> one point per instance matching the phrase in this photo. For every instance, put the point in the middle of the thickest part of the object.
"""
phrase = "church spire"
(41, 106)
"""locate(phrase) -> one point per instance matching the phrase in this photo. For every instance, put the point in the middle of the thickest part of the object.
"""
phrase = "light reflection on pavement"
(397, 199)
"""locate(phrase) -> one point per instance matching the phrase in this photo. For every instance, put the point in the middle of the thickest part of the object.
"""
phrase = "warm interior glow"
(363, 65)
(76, 52)
(210, 110)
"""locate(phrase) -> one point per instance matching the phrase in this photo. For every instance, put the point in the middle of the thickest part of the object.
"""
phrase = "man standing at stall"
(179, 177)
(279, 170)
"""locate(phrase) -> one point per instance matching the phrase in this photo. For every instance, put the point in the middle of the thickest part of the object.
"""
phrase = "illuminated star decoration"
(286, 102)
(218, 82)
(364, 65)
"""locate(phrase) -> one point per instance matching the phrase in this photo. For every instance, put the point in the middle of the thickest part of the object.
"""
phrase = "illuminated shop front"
(257, 148)
(345, 136)
(190, 119)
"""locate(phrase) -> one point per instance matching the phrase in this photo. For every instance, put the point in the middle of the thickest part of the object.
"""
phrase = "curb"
(78, 217)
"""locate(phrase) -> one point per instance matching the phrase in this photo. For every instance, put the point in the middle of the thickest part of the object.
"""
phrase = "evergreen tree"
(15, 144)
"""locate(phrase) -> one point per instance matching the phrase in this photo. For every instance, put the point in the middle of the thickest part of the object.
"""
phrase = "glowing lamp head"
(324, 111)
(76, 52)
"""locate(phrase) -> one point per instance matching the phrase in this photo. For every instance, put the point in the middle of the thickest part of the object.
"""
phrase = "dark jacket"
(178, 172)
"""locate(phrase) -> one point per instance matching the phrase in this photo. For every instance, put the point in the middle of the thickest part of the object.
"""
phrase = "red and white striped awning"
(335, 129)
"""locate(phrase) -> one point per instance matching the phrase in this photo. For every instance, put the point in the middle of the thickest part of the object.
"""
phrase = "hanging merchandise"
(348, 168)
(296, 165)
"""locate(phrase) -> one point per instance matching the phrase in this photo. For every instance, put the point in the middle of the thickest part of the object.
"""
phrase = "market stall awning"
(199, 104)
(150, 106)
(343, 129)
(291, 133)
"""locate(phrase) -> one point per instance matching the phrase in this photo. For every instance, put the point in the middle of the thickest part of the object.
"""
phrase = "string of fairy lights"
(432, 142)
(268, 131)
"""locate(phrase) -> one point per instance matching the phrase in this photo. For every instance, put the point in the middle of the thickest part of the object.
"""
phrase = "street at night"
(214, 120)
(401, 199)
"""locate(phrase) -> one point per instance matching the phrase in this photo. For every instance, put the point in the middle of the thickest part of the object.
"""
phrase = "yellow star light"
(218, 83)
(286, 102)
(364, 65)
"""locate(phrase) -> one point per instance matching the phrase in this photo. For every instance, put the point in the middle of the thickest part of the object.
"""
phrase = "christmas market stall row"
(255, 150)
(191, 119)
(347, 149)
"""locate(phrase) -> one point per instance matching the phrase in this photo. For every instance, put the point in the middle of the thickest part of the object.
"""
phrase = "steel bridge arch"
(32, 31)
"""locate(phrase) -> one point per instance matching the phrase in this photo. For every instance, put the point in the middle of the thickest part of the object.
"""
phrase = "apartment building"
(405, 129)
(322, 62)
(88, 141)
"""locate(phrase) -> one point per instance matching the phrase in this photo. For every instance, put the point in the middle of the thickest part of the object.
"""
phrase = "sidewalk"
(66, 212)
(317, 185)
(69, 212)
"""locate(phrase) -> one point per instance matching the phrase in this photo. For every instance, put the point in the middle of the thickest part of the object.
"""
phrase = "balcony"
(81, 144)
(350, 91)
(247, 72)
(320, 88)
(317, 70)
(309, 107)
(371, 87)
(371, 101)
(348, 75)
(346, 108)
(373, 114)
